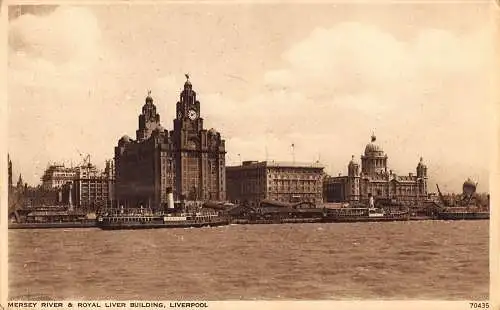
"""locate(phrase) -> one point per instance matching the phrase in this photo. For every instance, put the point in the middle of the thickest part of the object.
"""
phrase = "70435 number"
(479, 305)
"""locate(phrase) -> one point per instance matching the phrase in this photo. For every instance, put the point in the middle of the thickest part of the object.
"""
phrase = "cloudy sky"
(320, 76)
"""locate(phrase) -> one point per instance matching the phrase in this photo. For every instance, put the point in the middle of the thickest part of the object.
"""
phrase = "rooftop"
(273, 163)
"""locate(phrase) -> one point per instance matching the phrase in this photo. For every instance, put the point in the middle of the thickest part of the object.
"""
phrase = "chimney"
(70, 195)
(170, 198)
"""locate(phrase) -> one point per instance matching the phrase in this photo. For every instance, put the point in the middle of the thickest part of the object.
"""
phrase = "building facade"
(373, 177)
(57, 175)
(189, 159)
(255, 181)
(90, 189)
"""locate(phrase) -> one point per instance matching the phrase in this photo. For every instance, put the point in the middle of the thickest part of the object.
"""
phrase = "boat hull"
(139, 225)
(328, 219)
(52, 225)
(453, 216)
(363, 219)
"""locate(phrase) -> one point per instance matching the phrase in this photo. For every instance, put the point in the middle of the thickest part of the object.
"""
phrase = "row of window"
(294, 176)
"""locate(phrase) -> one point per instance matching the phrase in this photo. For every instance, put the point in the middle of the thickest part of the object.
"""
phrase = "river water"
(399, 260)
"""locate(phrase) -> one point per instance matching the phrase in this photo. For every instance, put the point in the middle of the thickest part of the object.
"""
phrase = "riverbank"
(279, 220)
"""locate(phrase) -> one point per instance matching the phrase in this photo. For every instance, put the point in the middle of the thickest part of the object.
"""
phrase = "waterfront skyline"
(323, 83)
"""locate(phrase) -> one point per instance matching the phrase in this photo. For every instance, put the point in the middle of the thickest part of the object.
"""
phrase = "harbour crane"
(85, 158)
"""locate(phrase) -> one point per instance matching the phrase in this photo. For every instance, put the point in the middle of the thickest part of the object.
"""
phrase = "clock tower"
(200, 153)
(188, 160)
(188, 110)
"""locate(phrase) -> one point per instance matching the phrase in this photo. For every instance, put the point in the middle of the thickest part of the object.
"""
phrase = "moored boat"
(48, 217)
(364, 215)
(51, 225)
(150, 221)
(467, 206)
(461, 214)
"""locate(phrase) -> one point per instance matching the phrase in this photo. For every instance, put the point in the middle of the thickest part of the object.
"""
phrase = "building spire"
(20, 182)
(187, 84)
(149, 99)
(10, 171)
(374, 138)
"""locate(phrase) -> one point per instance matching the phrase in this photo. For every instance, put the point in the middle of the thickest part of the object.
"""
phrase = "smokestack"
(170, 198)
(70, 196)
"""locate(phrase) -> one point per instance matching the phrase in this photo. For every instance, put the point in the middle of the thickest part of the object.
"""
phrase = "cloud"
(426, 96)
(65, 34)
(54, 65)
(73, 86)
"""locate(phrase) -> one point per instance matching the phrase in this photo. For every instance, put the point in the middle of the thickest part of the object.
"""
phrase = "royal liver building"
(189, 160)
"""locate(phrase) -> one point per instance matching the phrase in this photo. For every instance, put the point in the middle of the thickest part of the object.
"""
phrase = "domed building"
(374, 161)
(469, 188)
(189, 160)
(373, 177)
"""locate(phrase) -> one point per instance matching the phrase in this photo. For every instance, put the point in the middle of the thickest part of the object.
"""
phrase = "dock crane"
(441, 197)
(85, 158)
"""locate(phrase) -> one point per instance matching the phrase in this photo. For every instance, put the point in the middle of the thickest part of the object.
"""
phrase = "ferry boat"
(463, 207)
(159, 220)
(350, 214)
(463, 214)
(47, 217)
(51, 225)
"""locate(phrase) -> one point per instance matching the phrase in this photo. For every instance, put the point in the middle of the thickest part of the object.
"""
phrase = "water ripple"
(413, 260)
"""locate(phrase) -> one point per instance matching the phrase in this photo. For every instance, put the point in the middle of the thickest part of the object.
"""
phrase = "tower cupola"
(353, 167)
(421, 169)
(149, 119)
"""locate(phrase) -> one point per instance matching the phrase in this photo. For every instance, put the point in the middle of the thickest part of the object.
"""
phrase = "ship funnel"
(170, 198)
(70, 196)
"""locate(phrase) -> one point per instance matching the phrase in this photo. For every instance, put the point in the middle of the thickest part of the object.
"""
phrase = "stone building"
(255, 181)
(90, 189)
(373, 177)
(56, 175)
(189, 159)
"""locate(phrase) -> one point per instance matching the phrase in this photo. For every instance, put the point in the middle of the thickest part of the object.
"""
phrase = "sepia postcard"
(274, 154)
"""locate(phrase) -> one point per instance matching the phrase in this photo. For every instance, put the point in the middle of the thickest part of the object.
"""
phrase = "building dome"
(372, 148)
(124, 140)
(469, 187)
(212, 131)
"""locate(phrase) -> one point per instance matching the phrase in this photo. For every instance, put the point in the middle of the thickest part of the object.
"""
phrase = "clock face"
(192, 114)
(179, 115)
